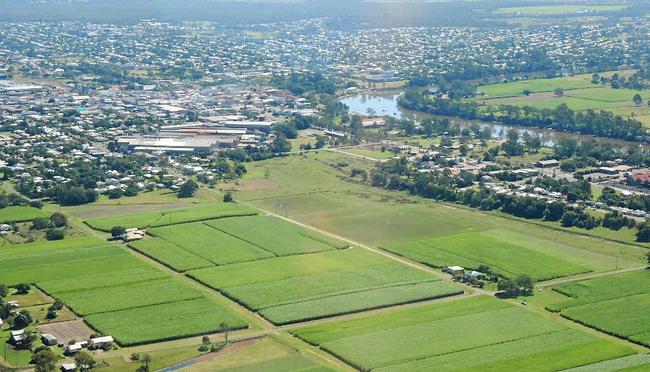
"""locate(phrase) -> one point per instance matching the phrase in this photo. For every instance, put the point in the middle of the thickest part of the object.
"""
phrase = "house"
(547, 163)
(18, 338)
(48, 339)
(132, 235)
(100, 342)
(68, 367)
(455, 271)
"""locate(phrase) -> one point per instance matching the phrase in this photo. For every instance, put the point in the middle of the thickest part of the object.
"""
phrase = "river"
(385, 104)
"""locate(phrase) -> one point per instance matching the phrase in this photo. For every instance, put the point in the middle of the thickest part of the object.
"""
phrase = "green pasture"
(20, 214)
(210, 243)
(615, 304)
(276, 236)
(266, 354)
(479, 333)
(170, 216)
(111, 284)
(558, 9)
(311, 286)
(516, 88)
(507, 257)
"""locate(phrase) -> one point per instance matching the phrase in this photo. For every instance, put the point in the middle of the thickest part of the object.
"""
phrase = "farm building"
(18, 338)
(75, 348)
(133, 235)
(100, 342)
(547, 163)
(48, 339)
(455, 271)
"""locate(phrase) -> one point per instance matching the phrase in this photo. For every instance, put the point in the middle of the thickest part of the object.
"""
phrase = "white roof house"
(102, 340)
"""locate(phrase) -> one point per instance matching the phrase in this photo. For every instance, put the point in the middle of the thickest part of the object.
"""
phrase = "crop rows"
(479, 333)
(615, 304)
(170, 216)
(117, 293)
(301, 287)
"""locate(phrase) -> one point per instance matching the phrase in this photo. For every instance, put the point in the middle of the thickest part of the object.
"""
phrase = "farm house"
(100, 342)
(48, 339)
(455, 271)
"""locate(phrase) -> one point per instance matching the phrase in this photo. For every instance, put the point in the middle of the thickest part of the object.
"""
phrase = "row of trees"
(562, 118)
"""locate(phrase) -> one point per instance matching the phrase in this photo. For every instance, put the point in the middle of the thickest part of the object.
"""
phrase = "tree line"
(562, 118)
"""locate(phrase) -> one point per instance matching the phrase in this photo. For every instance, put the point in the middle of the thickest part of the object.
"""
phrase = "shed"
(48, 339)
(455, 271)
(101, 341)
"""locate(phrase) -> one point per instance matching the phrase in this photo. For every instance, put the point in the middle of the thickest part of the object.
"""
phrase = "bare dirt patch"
(65, 332)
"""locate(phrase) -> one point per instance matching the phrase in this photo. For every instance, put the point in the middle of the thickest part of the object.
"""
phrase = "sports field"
(311, 286)
(614, 304)
(20, 214)
(479, 333)
(170, 216)
(117, 293)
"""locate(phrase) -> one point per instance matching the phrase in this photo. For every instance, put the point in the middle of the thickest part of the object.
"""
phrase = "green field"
(266, 354)
(479, 333)
(504, 256)
(310, 189)
(311, 286)
(276, 236)
(639, 362)
(117, 293)
(170, 254)
(20, 214)
(579, 94)
(614, 304)
(211, 244)
(558, 9)
(170, 216)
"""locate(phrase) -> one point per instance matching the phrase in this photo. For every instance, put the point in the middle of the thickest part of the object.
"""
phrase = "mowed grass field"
(310, 189)
(231, 240)
(615, 304)
(116, 293)
(311, 286)
(479, 333)
(170, 216)
(20, 214)
(266, 354)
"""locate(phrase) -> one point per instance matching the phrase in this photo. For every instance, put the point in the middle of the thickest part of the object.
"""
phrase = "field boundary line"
(592, 275)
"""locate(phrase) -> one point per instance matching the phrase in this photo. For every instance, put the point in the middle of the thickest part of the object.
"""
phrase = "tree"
(40, 223)
(647, 256)
(146, 362)
(22, 319)
(228, 198)
(280, 145)
(321, 141)
(55, 234)
(525, 284)
(118, 231)
(23, 288)
(4, 291)
(643, 235)
(59, 219)
(554, 211)
(508, 287)
(637, 99)
(225, 327)
(44, 361)
(188, 189)
(559, 92)
(84, 361)
(52, 313)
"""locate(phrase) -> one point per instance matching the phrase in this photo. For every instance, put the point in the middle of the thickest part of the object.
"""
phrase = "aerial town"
(306, 192)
